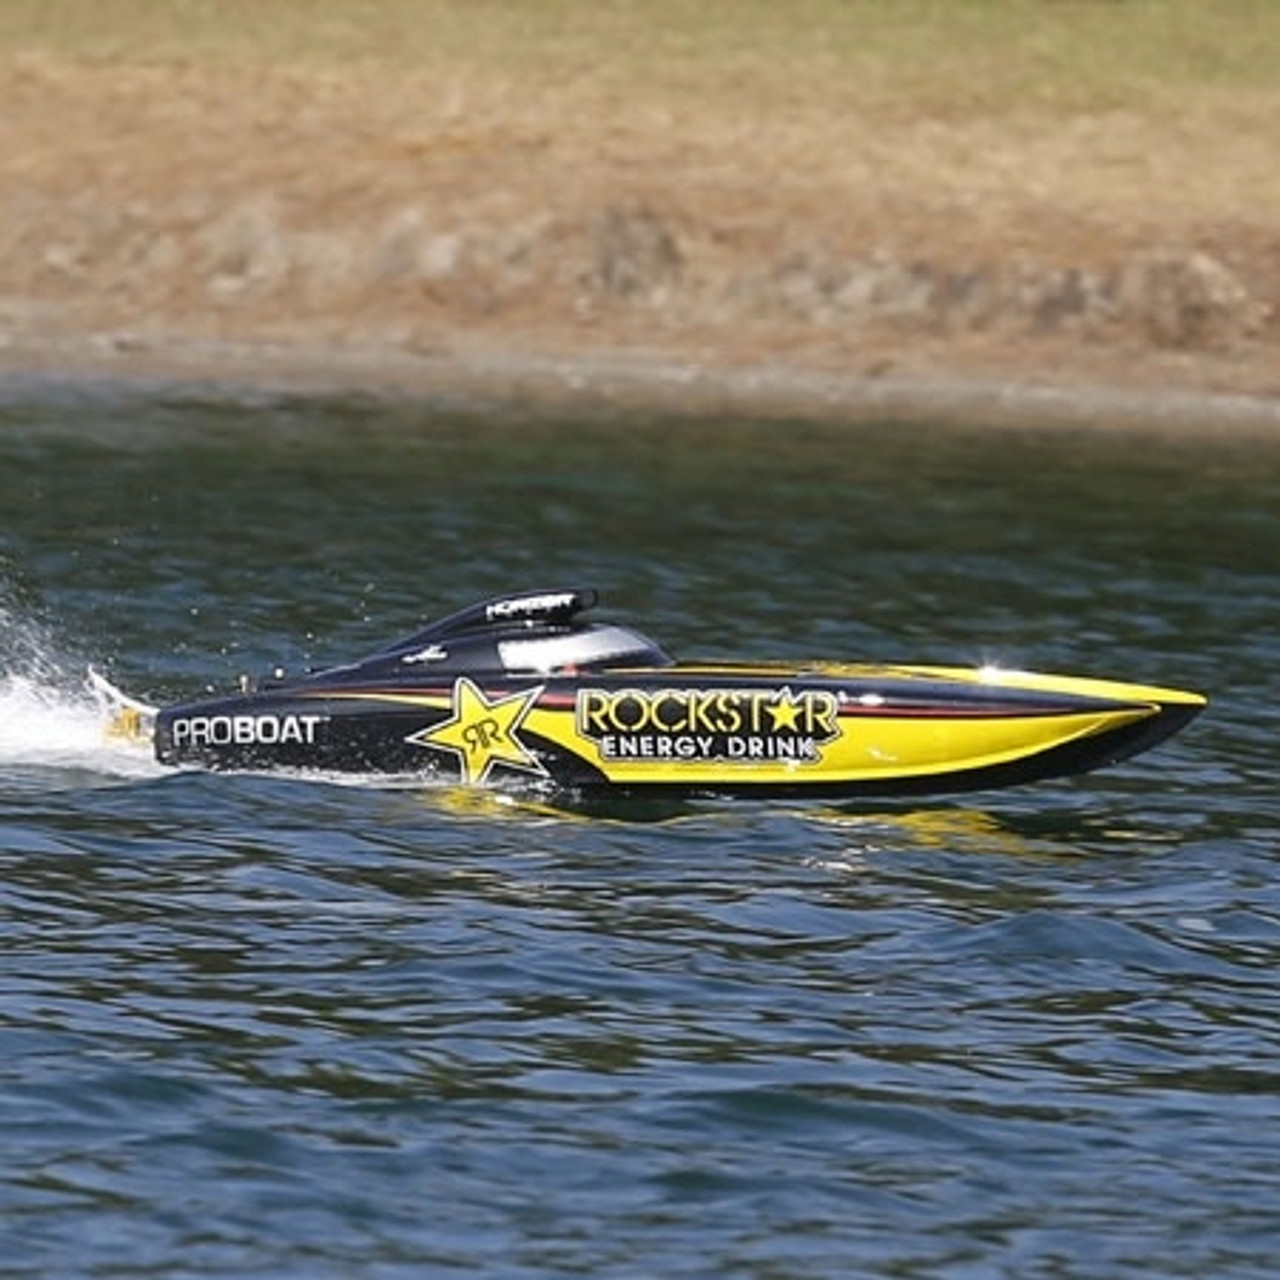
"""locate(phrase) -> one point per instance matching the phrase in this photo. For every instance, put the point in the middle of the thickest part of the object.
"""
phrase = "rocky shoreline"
(619, 386)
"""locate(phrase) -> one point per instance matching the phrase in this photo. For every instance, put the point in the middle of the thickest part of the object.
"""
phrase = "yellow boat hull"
(519, 691)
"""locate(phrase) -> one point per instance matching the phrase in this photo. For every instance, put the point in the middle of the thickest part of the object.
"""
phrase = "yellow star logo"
(785, 712)
(483, 733)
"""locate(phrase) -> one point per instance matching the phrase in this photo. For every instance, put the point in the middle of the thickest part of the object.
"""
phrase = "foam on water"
(52, 727)
(49, 715)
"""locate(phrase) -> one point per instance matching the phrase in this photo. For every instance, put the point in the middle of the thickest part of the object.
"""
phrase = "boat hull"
(760, 729)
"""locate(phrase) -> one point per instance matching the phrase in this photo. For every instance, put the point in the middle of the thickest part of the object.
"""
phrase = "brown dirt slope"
(452, 212)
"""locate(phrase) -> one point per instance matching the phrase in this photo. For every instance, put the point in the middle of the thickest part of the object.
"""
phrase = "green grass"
(932, 57)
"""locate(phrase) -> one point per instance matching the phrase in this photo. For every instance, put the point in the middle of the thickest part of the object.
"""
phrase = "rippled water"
(270, 1027)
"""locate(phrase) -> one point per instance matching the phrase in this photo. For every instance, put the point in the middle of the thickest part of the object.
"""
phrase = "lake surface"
(266, 1027)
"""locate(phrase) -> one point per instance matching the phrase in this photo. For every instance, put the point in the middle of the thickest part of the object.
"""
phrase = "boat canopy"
(536, 632)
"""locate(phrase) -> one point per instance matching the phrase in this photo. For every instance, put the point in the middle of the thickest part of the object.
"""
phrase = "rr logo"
(482, 734)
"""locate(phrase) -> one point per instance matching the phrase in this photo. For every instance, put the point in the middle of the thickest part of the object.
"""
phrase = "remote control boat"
(523, 690)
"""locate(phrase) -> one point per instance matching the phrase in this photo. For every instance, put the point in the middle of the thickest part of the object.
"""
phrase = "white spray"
(49, 714)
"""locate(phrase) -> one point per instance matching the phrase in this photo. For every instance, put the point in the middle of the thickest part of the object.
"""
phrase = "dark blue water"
(269, 1027)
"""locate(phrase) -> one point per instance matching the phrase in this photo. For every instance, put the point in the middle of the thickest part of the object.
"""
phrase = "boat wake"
(50, 717)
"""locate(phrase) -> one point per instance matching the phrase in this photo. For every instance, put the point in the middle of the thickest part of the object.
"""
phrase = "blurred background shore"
(669, 200)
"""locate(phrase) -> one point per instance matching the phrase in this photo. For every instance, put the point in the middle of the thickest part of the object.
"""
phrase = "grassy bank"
(826, 180)
(979, 55)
